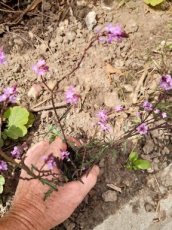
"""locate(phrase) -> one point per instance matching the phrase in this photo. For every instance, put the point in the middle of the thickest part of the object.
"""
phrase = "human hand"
(29, 206)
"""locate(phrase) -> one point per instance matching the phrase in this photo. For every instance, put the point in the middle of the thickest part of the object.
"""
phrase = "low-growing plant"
(78, 159)
(135, 163)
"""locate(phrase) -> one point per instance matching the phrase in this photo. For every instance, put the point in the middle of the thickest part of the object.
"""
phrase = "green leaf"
(2, 180)
(19, 120)
(133, 156)
(1, 189)
(153, 2)
(14, 132)
(17, 116)
(142, 164)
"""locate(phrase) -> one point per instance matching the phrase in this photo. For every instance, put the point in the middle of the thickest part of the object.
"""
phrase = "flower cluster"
(71, 96)
(166, 82)
(147, 106)
(65, 155)
(112, 33)
(103, 119)
(50, 161)
(2, 56)
(142, 129)
(17, 152)
(9, 95)
(3, 166)
(40, 68)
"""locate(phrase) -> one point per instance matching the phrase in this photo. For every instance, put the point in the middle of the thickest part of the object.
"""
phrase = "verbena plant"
(15, 121)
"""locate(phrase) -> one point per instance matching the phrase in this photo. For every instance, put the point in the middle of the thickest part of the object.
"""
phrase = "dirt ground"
(60, 36)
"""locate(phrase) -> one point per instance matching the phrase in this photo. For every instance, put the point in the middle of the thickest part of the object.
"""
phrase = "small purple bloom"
(9, 94)
(102, 115)
(142, 129)
(50, 161)
(13, 99)
(71, 96)
(166, 82)
(147, 106)
(3, 97)
(3, 166)
(156, 111)
(9, 91)
(65, 155)
(112, 33)
(119, 108)
(164, 115)
(17, 152)
(40, 68)
(2, 56)
(104, 126)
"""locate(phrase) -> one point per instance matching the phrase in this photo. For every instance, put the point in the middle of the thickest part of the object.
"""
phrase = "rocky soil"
(62, 43)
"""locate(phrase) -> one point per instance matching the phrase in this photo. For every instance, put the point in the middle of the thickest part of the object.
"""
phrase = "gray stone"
(148, 147)
(131, 26)
(109, 196)
(90, 20)
(112, 99)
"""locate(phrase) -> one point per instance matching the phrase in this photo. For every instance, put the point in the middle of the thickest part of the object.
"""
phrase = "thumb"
(89, 180)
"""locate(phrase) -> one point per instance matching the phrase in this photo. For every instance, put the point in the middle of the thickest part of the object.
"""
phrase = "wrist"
(23, 217)
(14, 222)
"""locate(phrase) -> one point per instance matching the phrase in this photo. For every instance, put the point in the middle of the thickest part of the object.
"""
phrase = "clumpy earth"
(108, 75)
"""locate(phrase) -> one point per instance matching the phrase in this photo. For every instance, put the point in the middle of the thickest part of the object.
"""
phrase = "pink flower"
(9, 94)
(9, 91)
(156, 111)
(102, 115)
(3, 97)
(164, 115)
(71, 96)
(2, 56)
(104, 126)
(119, 108)
(166, 82)
(17, 152)
(147, 106)
(112, 33)
(3, 166)
(40, 68)
(142, 129)
(65, 155)
(50, 161)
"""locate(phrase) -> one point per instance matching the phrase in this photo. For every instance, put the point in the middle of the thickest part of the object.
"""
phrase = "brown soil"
(61, 37)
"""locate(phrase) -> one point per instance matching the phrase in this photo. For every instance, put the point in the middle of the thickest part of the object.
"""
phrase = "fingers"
(89, 180)
(34, 153)
(81, 189)
(56, 146)
(74, 141)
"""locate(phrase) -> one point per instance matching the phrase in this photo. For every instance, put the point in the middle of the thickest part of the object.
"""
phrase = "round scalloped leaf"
(17, 116)
(14, 132)
(153, 2)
